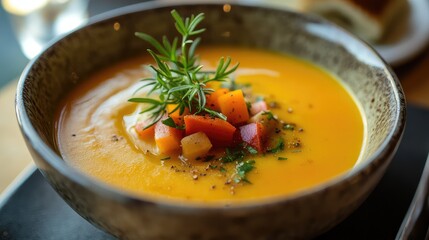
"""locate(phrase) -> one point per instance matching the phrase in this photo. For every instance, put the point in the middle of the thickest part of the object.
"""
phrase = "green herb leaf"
(170, 122)
(242, 169)
(289, 126)
(251, 150)
(178, 76)
(269, 114)
(281, 158)
(234, 154)
(278, 147)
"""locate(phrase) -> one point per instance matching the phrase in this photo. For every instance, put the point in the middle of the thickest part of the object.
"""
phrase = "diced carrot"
(258, 107)
(195, 145)
(254, 135)
(234, 107)
(147, 133)
(167, 138)
(212, 99)
(219, 132)
(176, 116)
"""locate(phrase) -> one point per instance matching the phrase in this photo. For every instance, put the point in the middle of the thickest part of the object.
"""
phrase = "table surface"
(14, 156)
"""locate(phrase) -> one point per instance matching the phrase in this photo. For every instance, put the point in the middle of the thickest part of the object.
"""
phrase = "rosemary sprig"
(178, 77)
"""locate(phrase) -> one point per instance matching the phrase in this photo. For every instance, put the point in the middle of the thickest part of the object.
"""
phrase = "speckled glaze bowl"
(110, 38)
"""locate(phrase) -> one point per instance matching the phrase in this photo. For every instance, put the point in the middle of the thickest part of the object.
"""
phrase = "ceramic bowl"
(110, 38)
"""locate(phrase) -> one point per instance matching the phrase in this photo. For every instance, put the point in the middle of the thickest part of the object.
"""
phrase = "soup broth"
(328, 134)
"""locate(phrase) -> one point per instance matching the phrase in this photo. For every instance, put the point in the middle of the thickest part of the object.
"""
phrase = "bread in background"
(369, 19)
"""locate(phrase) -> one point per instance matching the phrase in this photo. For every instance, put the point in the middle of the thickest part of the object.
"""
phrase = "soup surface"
(92, 132)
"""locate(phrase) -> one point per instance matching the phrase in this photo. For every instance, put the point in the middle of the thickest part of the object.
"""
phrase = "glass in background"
(36, 22)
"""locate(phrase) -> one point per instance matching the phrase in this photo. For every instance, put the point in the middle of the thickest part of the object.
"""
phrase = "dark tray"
(34, 211)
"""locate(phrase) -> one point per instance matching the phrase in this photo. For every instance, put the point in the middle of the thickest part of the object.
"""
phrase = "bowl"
(110, 38)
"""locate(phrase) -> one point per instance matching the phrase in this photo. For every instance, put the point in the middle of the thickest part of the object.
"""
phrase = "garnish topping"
(205, 115)
(178, 77)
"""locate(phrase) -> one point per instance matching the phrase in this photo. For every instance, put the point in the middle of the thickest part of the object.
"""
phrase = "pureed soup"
(316, 132)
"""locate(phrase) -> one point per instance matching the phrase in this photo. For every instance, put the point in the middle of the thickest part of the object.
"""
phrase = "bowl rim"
(33, 141)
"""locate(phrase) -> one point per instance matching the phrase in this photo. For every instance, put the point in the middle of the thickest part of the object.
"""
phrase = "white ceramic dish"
(409, 37)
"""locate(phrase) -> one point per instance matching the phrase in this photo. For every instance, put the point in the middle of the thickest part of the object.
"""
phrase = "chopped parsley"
(281, 158)
(242, 169)
(233, 154)
(278, 147)
(251, 150)
(269, 114)
(289, 126)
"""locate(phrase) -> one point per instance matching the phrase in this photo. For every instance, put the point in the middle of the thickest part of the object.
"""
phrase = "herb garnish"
(238, 153)
(269, 114)
(242, 168)
(178, 77)
(179, 80)
(289, 126)
(251, 150)
(233, 154)
(170, 122)
(278, 147)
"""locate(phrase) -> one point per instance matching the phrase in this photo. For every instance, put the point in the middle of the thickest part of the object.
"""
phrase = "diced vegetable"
(212, 99)
(195, 145)
(176, 116)
(219, 132)
(167, 139)
(254, 135)
(147, 133)
(257, 107)
(234, 107)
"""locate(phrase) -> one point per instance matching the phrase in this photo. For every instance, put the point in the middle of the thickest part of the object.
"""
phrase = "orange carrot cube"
(212, 99)
(219, 132)
(234, 107)
(176, 116)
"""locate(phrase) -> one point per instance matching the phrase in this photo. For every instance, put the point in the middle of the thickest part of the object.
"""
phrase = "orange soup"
(323, 138)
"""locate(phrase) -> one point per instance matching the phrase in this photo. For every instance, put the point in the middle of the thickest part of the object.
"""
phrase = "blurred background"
(12, 58)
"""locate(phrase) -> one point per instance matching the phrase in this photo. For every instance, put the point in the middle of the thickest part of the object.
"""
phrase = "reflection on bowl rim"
(104, 189)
